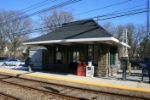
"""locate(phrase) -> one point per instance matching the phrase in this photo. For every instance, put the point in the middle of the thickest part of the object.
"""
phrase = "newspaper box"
(89, 71)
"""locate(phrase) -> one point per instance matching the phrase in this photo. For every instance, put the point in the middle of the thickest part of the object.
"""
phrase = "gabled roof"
(81, 32)
(75, 30)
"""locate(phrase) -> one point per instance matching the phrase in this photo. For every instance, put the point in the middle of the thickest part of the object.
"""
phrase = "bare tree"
(13, 28)
(144, 46)
(135, 34)
(134, 37)
(110, 27)
(2, 44)
(55, 19)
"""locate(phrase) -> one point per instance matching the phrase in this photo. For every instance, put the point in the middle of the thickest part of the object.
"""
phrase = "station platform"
(112, 84)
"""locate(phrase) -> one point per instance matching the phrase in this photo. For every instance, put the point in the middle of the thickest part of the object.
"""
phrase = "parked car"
(2, 59)
(139, 64)
(13, 62)
(23, 67)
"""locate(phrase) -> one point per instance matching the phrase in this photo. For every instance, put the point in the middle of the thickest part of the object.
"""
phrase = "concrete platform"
(113, 84)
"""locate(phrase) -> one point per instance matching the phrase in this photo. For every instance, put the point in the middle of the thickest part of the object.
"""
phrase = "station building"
(80, 41)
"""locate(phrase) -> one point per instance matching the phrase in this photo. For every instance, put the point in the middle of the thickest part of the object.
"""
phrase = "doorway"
(73, 59)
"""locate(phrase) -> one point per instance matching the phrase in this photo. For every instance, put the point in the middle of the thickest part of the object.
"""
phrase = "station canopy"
(79, 32)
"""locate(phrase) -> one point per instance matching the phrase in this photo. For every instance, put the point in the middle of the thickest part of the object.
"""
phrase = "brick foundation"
(113, 70)
(104, 69)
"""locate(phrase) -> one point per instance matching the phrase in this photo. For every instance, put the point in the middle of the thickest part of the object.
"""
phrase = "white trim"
(78, 40)
(125, 44)
(73, 40)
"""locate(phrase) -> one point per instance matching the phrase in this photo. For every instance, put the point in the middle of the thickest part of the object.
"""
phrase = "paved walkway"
(132, 80)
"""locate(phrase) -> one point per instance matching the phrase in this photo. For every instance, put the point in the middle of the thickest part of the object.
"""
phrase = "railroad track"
(4, 96)
(57, 91)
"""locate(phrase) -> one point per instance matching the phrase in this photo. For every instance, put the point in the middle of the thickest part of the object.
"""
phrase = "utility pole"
(148, 69)
(148, 34)
(124, 40)
(124, 58)
(126, 43)
(148, 18)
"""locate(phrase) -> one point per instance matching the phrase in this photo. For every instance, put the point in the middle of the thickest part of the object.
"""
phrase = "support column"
(83, 54)
(64, 55)
(103, 63)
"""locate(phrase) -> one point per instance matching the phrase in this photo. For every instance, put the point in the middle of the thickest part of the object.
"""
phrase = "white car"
(13, 62)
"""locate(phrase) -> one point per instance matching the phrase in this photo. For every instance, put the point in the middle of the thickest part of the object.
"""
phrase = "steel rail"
(9, 97)
(44, 91)
(83, 89)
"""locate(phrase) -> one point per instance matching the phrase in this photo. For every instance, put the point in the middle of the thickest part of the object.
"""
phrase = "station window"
(95, 60)
(90, 51)
(58, 56)
(76, 56)
(93, 53)
(112, 56)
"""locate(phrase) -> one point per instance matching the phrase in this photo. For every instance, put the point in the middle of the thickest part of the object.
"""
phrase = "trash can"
(84, 69)
(30, 67)
(79, 69)
(145, 71)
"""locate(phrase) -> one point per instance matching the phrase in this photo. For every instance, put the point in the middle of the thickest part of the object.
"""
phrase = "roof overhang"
(106, 40)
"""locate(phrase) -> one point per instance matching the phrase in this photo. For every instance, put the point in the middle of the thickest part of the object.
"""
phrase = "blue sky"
(84, 6)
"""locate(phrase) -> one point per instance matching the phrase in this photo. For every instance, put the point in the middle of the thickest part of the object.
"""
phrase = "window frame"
(112, 56)
(92, 53)
(58, 51)
(75, 56)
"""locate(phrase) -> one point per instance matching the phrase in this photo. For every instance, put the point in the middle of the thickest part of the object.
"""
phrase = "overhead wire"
(39, 29)
(111, 6)
(39, 6)
(50, 8)
(133, 13)
(35, 6)
(127, 13)
(45, 10)
(103, 7)
(109, 16)
(76, 14)
(45, 1)
(130, 8)
(115, 13)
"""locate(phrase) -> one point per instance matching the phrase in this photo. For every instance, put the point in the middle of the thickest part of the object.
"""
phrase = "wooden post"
(129, 68)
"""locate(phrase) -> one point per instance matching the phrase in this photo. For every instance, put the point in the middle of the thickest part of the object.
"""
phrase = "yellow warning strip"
(78, 81)
(96, 83)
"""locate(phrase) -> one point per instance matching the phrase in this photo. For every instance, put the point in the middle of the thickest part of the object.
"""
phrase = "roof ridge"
(75, 30)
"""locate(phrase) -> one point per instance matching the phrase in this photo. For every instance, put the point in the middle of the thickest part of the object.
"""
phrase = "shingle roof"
(75, 30)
